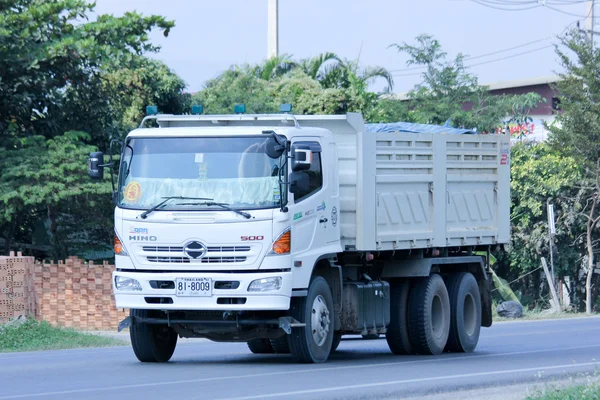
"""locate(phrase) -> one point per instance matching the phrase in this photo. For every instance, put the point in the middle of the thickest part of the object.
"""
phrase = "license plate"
(193, 287)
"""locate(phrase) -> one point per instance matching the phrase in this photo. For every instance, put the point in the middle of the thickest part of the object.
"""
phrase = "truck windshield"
(231, 170)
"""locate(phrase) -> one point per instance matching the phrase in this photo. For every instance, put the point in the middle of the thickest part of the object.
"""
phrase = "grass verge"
(590, 391)
(540, 315)
(33, 335)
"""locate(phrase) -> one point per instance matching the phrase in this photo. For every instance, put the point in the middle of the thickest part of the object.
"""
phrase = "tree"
(52, 64)
(448, 92)
(577, 132)
(46, 174)
(145, 82)
(61, 73)
(541, 174)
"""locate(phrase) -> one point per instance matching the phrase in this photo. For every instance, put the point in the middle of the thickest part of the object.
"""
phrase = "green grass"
(589, 391)
(33, 335)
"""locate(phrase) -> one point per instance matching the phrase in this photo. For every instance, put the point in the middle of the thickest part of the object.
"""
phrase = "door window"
(315, 178)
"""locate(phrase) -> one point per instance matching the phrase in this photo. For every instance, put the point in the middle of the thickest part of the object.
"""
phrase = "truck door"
(311, 209)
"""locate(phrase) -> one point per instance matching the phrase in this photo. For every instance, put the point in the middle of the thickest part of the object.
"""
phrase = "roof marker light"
(197, 109)
(151, 110)
(239, 108)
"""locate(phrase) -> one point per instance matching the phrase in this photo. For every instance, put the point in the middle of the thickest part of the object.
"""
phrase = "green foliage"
(589, 391)
(448, 92)
(51, 175)
(51, 64)
(147, 82)
(33, 335)
(540, 174)
(577, 128)
(61, 73)
(576, 133)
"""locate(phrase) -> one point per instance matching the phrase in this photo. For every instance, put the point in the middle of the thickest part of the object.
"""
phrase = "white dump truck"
(287, 232)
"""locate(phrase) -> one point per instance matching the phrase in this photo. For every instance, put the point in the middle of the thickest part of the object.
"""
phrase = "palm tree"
(274, 67)
(333, 72)
(314, 67)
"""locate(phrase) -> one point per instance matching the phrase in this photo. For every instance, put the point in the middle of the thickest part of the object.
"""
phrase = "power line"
(490, 61)
(481, 55)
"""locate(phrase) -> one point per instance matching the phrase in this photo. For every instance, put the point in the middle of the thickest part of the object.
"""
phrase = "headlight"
(125, 283)
(265, 284)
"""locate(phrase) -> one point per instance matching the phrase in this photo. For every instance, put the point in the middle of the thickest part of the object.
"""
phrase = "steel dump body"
(404, 190)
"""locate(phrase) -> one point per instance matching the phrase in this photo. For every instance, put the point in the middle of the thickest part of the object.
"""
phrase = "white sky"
(211, 35)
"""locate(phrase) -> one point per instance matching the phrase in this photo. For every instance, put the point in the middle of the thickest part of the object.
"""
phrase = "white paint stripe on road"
(530, 333)
(407, 381)
(294, 371)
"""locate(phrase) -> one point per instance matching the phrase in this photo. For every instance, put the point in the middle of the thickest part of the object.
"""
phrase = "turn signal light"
(118, 246)
(283, 244)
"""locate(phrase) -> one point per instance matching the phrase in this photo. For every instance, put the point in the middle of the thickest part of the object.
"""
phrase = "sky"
(211, 35)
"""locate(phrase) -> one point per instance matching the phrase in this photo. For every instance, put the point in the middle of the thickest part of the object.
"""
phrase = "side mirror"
(301, 157)
(298, 182)
(96, 165)
(273, 149)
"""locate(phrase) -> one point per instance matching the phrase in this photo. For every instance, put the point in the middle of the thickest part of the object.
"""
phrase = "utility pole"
(273, 24)
(589, 20)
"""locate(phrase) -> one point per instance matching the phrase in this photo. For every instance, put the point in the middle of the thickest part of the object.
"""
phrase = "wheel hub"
(320, 322)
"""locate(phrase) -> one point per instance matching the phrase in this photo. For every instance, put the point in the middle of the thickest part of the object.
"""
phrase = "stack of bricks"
(71, 293)
(78, 295)
(17, 290)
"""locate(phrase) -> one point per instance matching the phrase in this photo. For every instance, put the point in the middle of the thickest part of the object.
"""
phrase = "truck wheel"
(312, 343)
(337, 338)
(280, 345)
(465, 310)
(429, 315)
(398, 336)
(151, 342)
(260, 346)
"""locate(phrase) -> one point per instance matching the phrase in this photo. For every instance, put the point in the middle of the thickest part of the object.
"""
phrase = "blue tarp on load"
(415, 128)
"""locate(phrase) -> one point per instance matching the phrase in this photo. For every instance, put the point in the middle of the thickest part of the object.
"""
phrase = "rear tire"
(465, 310)
(398, 335)
(429, 315)
(281, 345)
(260, 346)
(312, 343)
(151, 342)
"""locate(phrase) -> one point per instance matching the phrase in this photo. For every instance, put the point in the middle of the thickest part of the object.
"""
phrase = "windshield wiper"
(223, 205)
(156, 207)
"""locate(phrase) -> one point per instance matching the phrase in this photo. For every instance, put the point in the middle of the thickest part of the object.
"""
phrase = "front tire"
(151, 342)
(260, 346)
(312, 343)
(429, 316)
(465, 308)
(281, 345)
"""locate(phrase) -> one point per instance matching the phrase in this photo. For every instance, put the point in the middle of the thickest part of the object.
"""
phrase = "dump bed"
(404, 190)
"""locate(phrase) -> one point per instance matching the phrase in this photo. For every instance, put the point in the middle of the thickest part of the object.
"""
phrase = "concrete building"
(544, 112)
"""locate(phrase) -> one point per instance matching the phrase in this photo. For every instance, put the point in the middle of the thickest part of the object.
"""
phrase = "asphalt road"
(508, 353)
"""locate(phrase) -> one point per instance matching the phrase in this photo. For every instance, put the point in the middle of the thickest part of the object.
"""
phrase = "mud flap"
(486, 302)
(126, 323)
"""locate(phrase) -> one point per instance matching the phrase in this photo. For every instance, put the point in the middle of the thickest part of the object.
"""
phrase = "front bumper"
(254, 301)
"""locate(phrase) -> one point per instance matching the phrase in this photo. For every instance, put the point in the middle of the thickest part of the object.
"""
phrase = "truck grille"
(220, 249)
(205, 260)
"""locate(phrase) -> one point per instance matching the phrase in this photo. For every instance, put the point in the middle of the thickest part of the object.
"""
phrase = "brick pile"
(72, 293)
(17, 291)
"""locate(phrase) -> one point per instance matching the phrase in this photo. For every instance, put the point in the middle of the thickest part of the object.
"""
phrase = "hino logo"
(195, 250)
